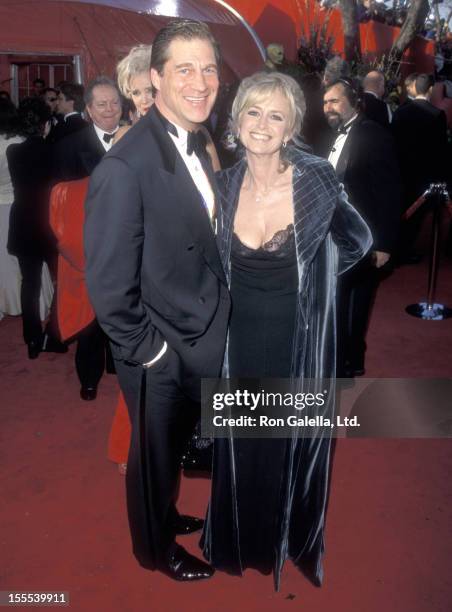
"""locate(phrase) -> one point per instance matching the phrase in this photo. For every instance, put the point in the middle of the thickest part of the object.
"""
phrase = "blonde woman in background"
(134, 80)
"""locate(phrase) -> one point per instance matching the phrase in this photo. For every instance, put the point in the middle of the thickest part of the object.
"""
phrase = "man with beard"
(364, 157)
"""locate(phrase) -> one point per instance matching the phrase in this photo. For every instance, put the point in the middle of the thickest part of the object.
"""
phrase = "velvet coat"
(330, 238)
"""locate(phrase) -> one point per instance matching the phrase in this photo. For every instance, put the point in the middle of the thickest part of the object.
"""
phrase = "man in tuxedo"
(50, 96)
(70, 105)
(38, 87)
(75, 157)
(420, 133)
(157, 285)
(375, 107)
(364, 157)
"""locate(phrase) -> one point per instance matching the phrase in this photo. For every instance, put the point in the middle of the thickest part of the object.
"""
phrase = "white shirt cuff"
(160, 354)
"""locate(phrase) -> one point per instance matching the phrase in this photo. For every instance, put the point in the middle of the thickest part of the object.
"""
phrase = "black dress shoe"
(183, 566)
(197, 459)
(52, 345)
(88, 393)
(185, 524)
(34, 348)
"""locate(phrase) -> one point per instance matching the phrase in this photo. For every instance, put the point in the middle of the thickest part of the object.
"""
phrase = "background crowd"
(385, 154)
(296, 243)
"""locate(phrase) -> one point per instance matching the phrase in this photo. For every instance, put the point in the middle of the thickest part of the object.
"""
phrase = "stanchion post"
(431, 311)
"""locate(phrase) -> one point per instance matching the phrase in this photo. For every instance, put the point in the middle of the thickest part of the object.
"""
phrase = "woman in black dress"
(287, 231)
(30, 238)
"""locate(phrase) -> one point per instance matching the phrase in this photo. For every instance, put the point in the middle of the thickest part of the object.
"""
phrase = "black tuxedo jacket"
(65, 128)
(76, 156)
(30, 169)
(420, 133)
(369, 170)
(153, 269)
(376, 109)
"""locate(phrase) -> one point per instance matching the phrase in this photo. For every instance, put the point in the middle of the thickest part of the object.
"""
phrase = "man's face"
(51, 99)
(64, 106)
(188, 85)
(336, 107)
(105, 108)
(38, 87)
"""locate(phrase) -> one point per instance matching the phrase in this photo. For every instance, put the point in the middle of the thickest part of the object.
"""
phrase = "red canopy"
(98, 33)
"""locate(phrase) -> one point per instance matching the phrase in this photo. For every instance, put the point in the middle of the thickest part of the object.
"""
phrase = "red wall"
(281, 21)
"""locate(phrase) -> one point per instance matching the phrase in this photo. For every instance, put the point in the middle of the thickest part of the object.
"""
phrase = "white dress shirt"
(100, 134)
(203, 185)
(339, 143)
(195, 169)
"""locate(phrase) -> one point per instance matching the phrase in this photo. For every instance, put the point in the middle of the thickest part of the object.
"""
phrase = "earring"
(284, 144)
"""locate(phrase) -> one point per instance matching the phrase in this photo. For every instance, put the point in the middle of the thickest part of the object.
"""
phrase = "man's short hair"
(410, 79)
(47, 89)
(374, 79)
(73, 91)
(184, 29)
(100, 81)
(423, 83)
(33, 114)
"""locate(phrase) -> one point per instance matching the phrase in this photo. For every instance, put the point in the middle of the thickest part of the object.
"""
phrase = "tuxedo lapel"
(344, 158)
(92, 150)
(187, 200)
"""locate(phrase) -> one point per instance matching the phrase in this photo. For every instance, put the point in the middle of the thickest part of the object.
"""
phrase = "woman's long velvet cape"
(330, 238)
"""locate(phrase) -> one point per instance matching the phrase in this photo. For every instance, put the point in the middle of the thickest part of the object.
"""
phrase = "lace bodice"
(281, 243)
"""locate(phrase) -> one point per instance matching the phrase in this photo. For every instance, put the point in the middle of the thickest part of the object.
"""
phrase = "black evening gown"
(264, 285)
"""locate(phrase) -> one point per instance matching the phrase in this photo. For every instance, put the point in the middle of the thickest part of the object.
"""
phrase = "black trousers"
(90, 354)
(163, 413)
(356, 290)
(31, 271)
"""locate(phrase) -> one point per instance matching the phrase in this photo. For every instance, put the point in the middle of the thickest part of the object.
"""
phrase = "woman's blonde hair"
(260, 86)
(138, 60)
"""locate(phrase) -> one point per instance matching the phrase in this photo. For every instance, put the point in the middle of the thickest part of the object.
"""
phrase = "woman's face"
(264, 126)
(141, 92)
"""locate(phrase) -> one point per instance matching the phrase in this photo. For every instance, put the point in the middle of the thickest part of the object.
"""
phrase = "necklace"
(262, 194)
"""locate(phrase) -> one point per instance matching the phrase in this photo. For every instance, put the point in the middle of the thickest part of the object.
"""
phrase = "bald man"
(374, 90)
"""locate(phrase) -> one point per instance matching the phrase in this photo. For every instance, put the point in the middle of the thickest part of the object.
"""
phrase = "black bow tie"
(196, 143)
(108, 137)
(342, 130)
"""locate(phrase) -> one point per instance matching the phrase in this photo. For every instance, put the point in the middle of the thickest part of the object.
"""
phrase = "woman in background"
(30, 238)
(134, 80)
(9, 267)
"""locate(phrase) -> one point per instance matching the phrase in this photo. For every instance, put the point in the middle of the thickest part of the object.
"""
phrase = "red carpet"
(63, 521)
